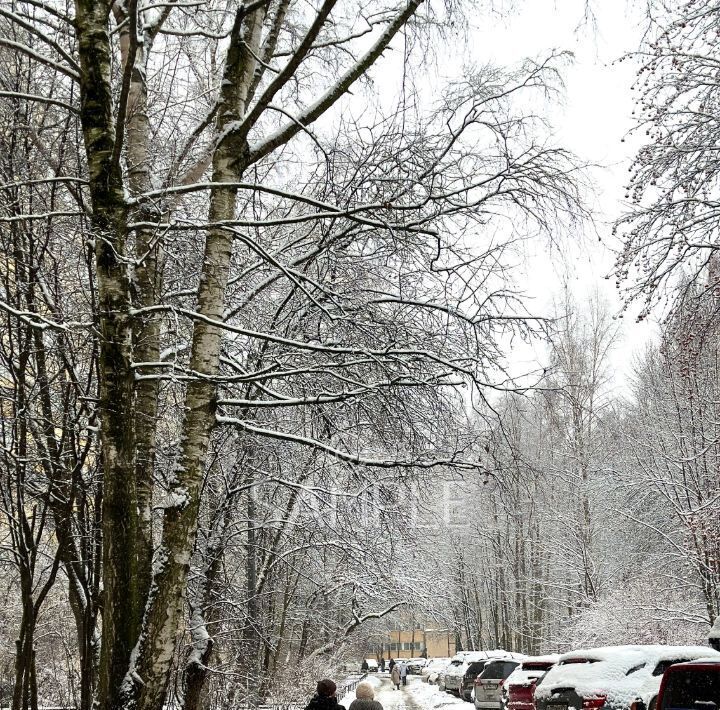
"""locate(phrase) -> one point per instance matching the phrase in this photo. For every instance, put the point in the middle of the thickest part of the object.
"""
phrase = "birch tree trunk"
(165, 607)
(116, 407)
(147, 287)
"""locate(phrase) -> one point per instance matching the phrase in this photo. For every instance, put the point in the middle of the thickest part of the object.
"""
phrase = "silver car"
(489, 684)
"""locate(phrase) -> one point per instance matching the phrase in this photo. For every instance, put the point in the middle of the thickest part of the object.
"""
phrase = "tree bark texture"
(109, 222)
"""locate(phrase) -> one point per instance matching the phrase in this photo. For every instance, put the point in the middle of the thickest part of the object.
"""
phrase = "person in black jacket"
(324, 698)
(714, 638)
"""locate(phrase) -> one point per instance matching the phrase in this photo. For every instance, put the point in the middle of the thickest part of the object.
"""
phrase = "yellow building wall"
(410, 644)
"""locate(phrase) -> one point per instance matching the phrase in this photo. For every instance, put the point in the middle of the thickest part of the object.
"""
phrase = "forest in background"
(255, 322)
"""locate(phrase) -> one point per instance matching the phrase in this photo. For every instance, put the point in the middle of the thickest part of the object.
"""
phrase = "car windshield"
(692, 690)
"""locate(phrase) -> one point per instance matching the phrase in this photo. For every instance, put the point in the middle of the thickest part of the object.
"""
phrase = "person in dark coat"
(364, 666)
(382, 665)
(391, 665)
(324, 698)
(365, 698)
(714, 638)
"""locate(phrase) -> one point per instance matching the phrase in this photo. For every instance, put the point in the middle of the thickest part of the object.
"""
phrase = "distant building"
(428, 643)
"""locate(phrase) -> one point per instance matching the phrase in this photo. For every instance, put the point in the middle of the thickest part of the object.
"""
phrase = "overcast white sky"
(594, 118)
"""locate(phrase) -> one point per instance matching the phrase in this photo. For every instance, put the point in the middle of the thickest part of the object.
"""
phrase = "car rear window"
(570, 661)
(499, 669)
(692, 690)
(475, 668)
(536, 666)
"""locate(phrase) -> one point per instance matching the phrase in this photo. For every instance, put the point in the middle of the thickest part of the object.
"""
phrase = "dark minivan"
(691, 686)
(466, 683)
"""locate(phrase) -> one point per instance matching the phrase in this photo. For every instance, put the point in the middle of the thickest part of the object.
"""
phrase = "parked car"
(489, 684)
(455, 675)
(433, 668)
(648, 692)
(372, 665)
(467, 681)
(415, 665)
(453, 669)
(691, 686)
(519, 688)
(609, 678)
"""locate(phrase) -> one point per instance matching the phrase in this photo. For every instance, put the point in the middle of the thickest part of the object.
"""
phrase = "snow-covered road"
(416, 695)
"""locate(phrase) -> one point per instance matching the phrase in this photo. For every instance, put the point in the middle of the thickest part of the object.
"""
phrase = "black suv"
(691, 686)
(466, 684)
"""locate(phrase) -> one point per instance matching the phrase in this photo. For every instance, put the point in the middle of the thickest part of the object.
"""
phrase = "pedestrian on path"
(403, 673)
(365, 698)
(391, 665)
(324, 698)
(395, 676)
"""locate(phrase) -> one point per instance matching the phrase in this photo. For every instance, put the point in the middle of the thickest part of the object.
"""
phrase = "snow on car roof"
(647, 652)
(437, 662)
(547, 658)
(495, 654)
(522, 677)
(682, 654)
(615, 671)
(526, 676)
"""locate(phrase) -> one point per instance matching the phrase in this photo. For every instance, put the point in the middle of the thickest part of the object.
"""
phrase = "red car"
(694, 685)
(520, 686)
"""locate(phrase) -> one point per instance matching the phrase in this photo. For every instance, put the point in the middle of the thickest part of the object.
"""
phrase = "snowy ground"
(416, 695)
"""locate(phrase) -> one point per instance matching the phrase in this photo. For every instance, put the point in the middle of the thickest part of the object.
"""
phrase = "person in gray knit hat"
(365, 698)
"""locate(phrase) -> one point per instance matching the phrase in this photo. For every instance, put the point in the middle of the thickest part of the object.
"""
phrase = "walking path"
(416, 695)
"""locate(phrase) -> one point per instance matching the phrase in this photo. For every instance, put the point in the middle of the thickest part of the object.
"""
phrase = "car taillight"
(477, 680)
(594, 702)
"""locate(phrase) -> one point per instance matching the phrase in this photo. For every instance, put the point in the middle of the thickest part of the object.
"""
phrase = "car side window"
(635, 669)
(662, 666)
